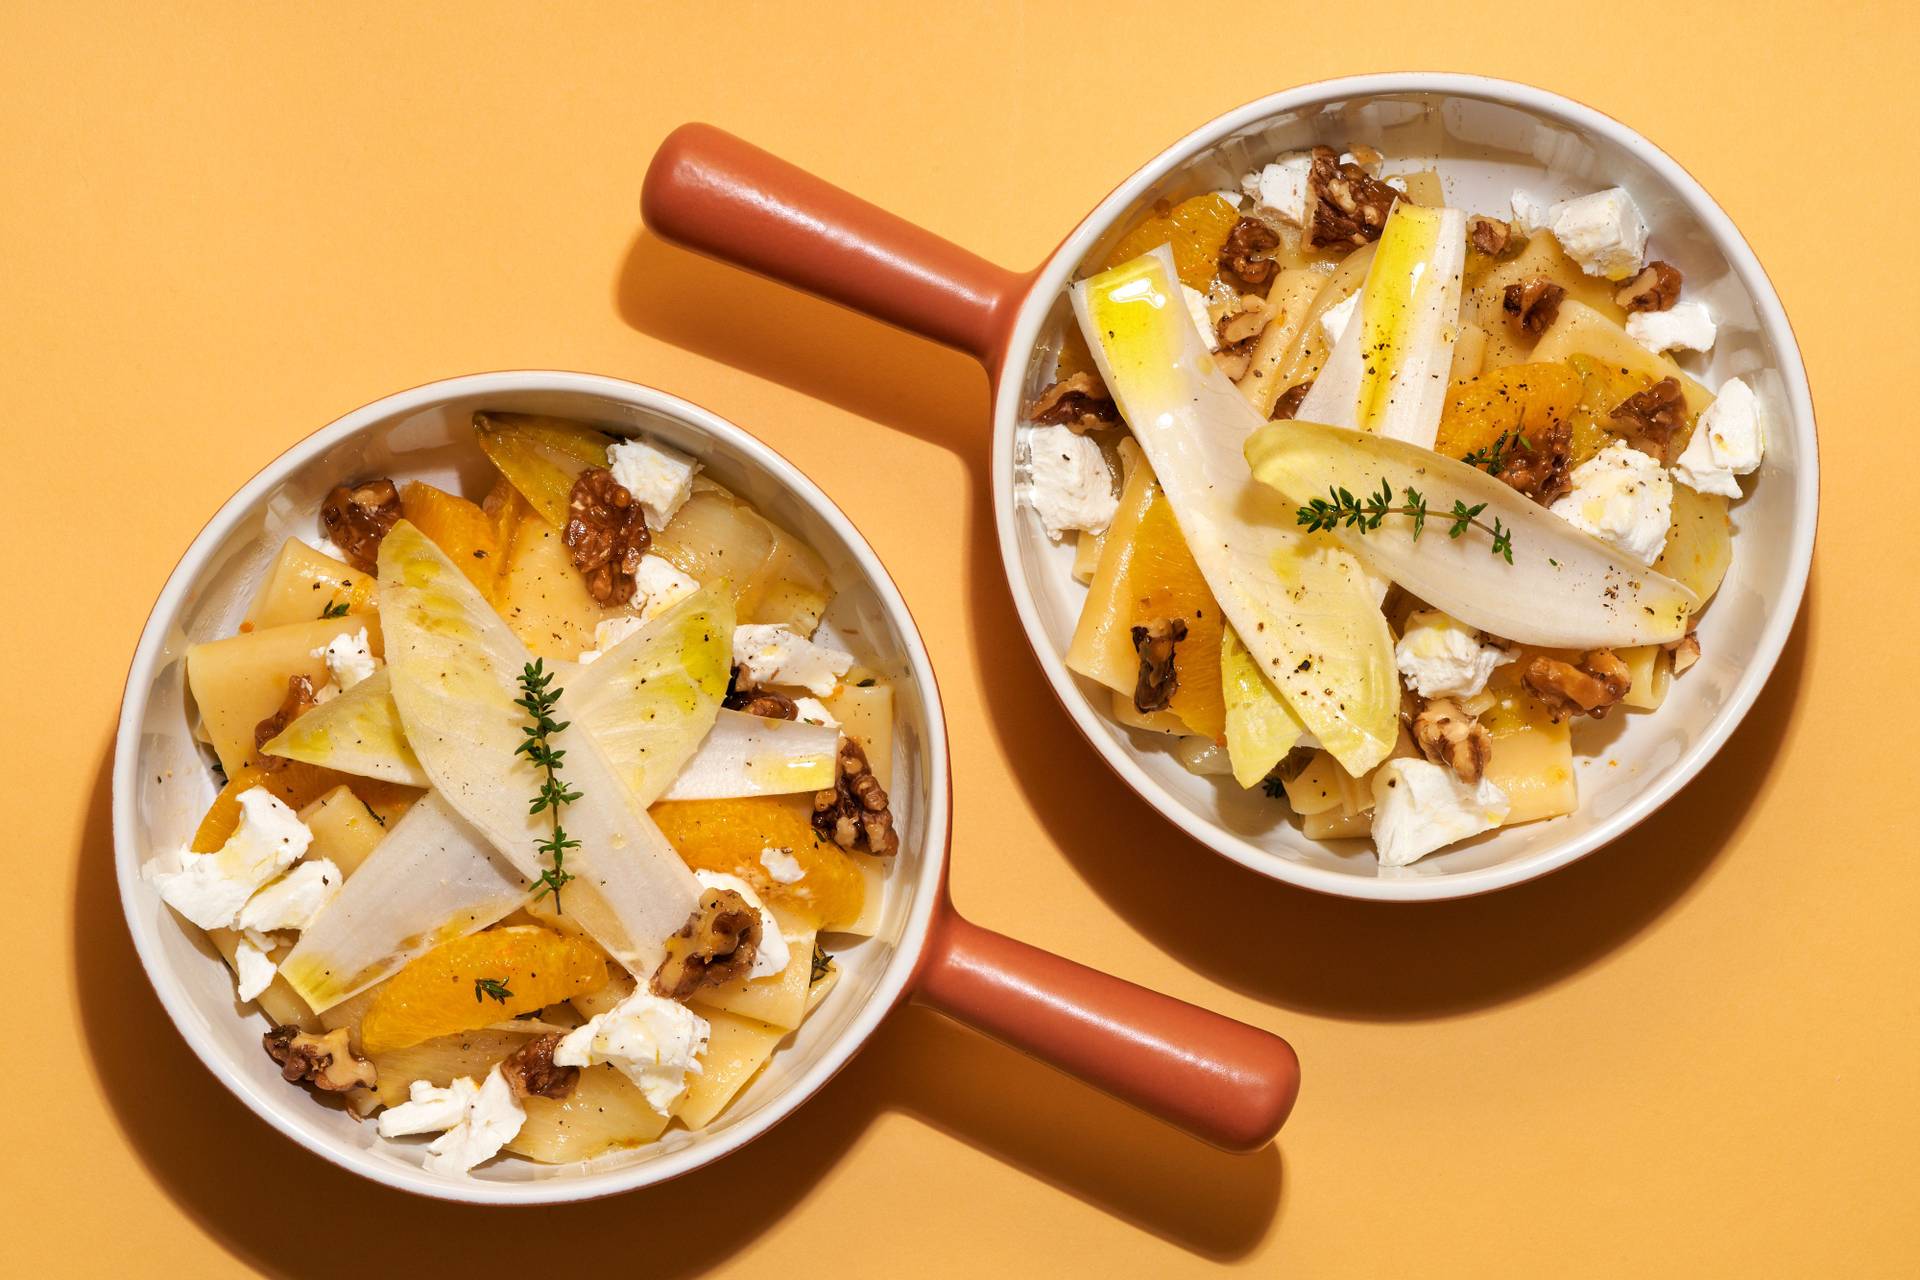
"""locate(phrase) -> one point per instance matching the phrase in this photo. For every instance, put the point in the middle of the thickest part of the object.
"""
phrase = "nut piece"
(326, 1062)
(1597, 683)
(1532, 304)
(715, 945)
(1447, 735)
(1239, 329)
(1489, 236)
(1346, 205)
(1649, 418)
(357, 516)
(298, 702)
(1080, 402)
(1656, 288)
(531, 1073)
(1289, 402)
(856, 806)
(1158, 680)
(1685, 651)
(607, 534)
(1541, 466)
(1248, 253)
(758, 702)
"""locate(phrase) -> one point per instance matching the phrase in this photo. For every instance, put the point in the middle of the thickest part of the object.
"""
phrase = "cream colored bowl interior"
(1486, 139)
(162, 783)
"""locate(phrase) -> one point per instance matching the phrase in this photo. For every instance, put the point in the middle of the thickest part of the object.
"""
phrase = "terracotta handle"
(713, 193)
(1220, 1080)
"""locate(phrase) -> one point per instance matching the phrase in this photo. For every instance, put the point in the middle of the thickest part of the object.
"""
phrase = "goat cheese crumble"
(1280, 188)
(474, 1121)
(782, 866)
(1685, 326)
(1603, 232)
(653, 1042)
(658, 586)
(1419, 806)
(660, 479)
(1729, 440)
(813, 711)
(349, 659)
(292, 901)
(1623, 497)
(775, 654)
(1070, 486)
(1441, 657)
(1530, 213)
(211, 888)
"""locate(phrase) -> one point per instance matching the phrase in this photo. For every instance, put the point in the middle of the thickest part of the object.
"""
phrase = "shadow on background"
(239, 1179)
(1342, 958)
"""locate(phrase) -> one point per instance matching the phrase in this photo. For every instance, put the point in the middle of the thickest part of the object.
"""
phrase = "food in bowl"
(1381, 506)
(542, 816)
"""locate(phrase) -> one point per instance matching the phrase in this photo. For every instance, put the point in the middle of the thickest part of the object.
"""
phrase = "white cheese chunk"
(813, 711)
(429, 1108)
(474, 1121)
(1530, 212)
(1603, 232)
(772, 654)
(1071, 487)
(771, 956)
(211, 888)
(1729, 440)
(782, 866)
(1621, 496)
(1335, 319)
(292, 901)
(660, 479)
(1280, 188)
(1685, 326)
(1202, 319)
(653, 1042)
(1234, 198)
(349, 659)
(253, 966)
(1441, 657)
(1419, 806)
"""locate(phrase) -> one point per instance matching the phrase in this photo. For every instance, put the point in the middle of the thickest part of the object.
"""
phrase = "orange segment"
(459, 528)
(1163, 583)
(1196, 228)
(438, 994)
(1529, 397)
(299, 785)
(729, 836)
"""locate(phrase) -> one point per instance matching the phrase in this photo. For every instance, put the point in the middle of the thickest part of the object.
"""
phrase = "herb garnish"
(822, 964)
(494, 987)
(539, 698)
(1273, 785)
(1496, 455)
(1364, 515)
(335, 610)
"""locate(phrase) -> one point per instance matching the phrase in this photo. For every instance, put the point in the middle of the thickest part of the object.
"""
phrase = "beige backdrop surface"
(220, 227)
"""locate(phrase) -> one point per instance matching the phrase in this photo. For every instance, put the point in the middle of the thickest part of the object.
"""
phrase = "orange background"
(221, 227)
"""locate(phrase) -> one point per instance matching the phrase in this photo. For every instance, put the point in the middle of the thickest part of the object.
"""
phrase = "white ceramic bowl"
(1487, 138)
(161, 784)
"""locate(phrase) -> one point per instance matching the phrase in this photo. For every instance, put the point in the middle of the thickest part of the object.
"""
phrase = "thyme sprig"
(1363, 515)
(538, 698)
(1494, 457)
(496, 988)
(336, 610)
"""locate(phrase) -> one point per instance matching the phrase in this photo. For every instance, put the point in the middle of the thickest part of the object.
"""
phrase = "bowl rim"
(895, 980)
(1046, 285)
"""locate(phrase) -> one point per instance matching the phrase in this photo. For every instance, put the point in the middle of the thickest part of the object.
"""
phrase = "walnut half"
(357, 517)
(1649, 418)
(1248, 253)
(298, 702)
(326, 1062)
(1600, 680)
(1346, 205)
(1489, 236)
(758, 702)
(1447, 735)
(1081, 402)
(716, 944)
(1656, 288)
(607, 534)
(1532, 304)
(531, 1073)
(1542, 466)
(855, 807)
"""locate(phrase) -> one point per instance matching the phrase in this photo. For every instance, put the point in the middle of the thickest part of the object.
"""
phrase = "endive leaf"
(358, 732)
(1565, 589)
(1304, 607)
(456, 668)
(1388, 372)
(757, 756)
(1261, 727)
(433, 878)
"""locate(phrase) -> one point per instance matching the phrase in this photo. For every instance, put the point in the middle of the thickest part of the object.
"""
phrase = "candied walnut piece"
(1289, 402)
(1158, 680)
(1656, 288)
(1600, 680)
(357, 517)
(761, 702)
(715, 945)
(1532, 304)
(1239, 332)
(298, 702)
(607, 534)
(1540, 465)
(1685, 651)
(1649, 418)
(855, 807)
(1346, 205)
(531, 1073)
(1080, 402)
(1247, 255)
(326, 1062)
(1489, 236)
(1447, 735)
